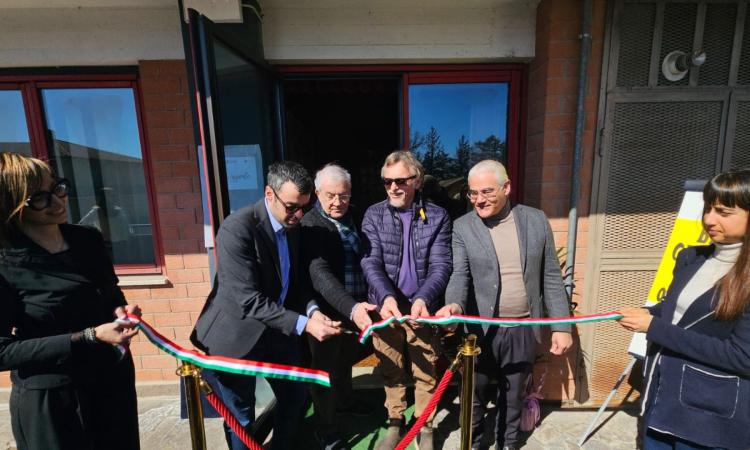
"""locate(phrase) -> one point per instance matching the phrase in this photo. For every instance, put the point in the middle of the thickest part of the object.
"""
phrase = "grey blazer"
(476, 278)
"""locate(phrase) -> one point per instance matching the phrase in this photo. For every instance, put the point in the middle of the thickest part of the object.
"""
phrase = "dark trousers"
(335, 356)
(238, 392)
(654, 440)
(508, 356)
(80, 417)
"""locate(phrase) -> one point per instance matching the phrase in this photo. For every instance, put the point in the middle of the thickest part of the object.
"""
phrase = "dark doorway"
(353, 121)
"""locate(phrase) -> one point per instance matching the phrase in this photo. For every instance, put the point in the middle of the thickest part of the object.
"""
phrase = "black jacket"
(243, 303)
(325, 261)
(698, 370)
(43, 300)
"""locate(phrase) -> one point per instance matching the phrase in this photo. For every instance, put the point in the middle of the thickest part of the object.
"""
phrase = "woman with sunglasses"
(698, 364)
(72, 388)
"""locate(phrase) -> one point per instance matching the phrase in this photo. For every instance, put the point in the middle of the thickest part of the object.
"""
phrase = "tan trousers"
(391, 344)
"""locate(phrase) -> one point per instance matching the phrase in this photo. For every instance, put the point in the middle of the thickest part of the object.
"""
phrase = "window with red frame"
(91, 134)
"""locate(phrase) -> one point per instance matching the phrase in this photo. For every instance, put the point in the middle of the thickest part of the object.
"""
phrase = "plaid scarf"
(354, 280)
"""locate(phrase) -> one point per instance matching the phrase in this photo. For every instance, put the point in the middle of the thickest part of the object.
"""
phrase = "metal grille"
(678, 34)
(718, 40)
(610, 348)
(636, 35)
(743, 75)
(741, 144)
(655, 147)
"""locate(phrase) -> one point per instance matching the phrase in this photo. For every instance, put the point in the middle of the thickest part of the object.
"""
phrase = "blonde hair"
(20, 176)
(409, 160)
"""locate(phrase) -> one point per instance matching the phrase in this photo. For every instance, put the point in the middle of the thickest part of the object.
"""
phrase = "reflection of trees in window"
(490, 148)
(437, 162)
(463, 156)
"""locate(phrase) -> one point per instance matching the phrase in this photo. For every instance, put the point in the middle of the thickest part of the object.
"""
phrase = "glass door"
(234, 92)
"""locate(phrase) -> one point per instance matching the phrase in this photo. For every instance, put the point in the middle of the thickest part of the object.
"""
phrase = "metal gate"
(655, 132)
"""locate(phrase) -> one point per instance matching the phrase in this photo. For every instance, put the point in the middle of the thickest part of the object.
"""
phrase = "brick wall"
(172, 308)
(553, 86)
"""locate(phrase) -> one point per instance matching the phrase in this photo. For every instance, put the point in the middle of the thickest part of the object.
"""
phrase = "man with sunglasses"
(504, 265)
(259, 306)
(407, 263)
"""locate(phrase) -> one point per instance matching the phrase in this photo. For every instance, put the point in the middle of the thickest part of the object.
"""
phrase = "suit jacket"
(243, 303)
(697, 371)
(475, 280)
(325, 260)
(46, 298)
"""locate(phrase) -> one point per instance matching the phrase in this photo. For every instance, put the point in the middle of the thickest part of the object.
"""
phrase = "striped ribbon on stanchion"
(493, 322)
(230, 365)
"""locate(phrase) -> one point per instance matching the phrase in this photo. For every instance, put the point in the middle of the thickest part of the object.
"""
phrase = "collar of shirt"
(274, 223)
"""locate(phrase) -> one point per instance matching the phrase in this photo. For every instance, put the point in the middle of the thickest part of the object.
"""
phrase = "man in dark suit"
(504, 265)
(258, 306)
(333, 248)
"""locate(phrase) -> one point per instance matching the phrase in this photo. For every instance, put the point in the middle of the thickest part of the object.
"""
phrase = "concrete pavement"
(560, 429)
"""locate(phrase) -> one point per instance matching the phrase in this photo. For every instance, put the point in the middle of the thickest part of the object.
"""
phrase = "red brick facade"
(552, 93)
(169, 129)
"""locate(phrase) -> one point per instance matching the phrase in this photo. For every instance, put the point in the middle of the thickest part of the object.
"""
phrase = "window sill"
(142, 280)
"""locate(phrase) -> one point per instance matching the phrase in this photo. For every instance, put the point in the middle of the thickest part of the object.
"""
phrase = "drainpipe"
(575, 184)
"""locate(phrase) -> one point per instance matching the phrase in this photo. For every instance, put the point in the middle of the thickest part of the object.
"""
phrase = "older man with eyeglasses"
(407, 264)
(333, 248)
(504, 265)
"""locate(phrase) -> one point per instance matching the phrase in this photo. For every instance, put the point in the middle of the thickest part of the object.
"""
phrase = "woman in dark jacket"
(697, 392)
(59, 298)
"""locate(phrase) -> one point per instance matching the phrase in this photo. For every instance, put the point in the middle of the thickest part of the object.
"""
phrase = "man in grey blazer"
(260, 304)
(504, 265)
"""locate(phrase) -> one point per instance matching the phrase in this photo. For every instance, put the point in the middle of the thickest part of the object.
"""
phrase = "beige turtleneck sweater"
(715, 267)
(512, 299)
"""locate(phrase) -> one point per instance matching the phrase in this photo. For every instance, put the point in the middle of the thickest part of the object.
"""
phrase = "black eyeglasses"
(41, 200)
(290, 209)
(387, 182)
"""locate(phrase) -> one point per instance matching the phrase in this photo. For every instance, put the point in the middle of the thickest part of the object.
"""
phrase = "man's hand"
(321, 327)
(561, 342)
(418, 309)
(635, 319)
(390, 308)
(449, 310)
(361, 314)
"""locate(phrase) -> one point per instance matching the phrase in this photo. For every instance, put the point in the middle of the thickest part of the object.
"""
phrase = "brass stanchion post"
(193, 383)
(468, 351)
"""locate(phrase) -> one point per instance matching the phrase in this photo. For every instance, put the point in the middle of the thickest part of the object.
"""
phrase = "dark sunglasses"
(42, 200)
(387, 182)
(290, 209)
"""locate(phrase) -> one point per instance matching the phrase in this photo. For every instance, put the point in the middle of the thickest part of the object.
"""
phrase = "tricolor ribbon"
(230, 365)
(493, 322)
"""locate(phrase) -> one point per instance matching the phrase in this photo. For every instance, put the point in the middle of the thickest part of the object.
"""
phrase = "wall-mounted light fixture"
(677, 64)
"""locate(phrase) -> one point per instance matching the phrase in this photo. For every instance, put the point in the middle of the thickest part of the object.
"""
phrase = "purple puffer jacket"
(431, 246)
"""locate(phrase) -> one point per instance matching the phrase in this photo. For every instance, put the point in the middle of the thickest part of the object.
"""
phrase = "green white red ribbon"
(230, 365)
(493, 322)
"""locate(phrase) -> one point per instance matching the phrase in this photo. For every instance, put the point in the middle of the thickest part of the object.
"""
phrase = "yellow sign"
(686, 232)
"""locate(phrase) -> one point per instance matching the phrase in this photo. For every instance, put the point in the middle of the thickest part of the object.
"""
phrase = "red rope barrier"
(406, 440)
(232, 421)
